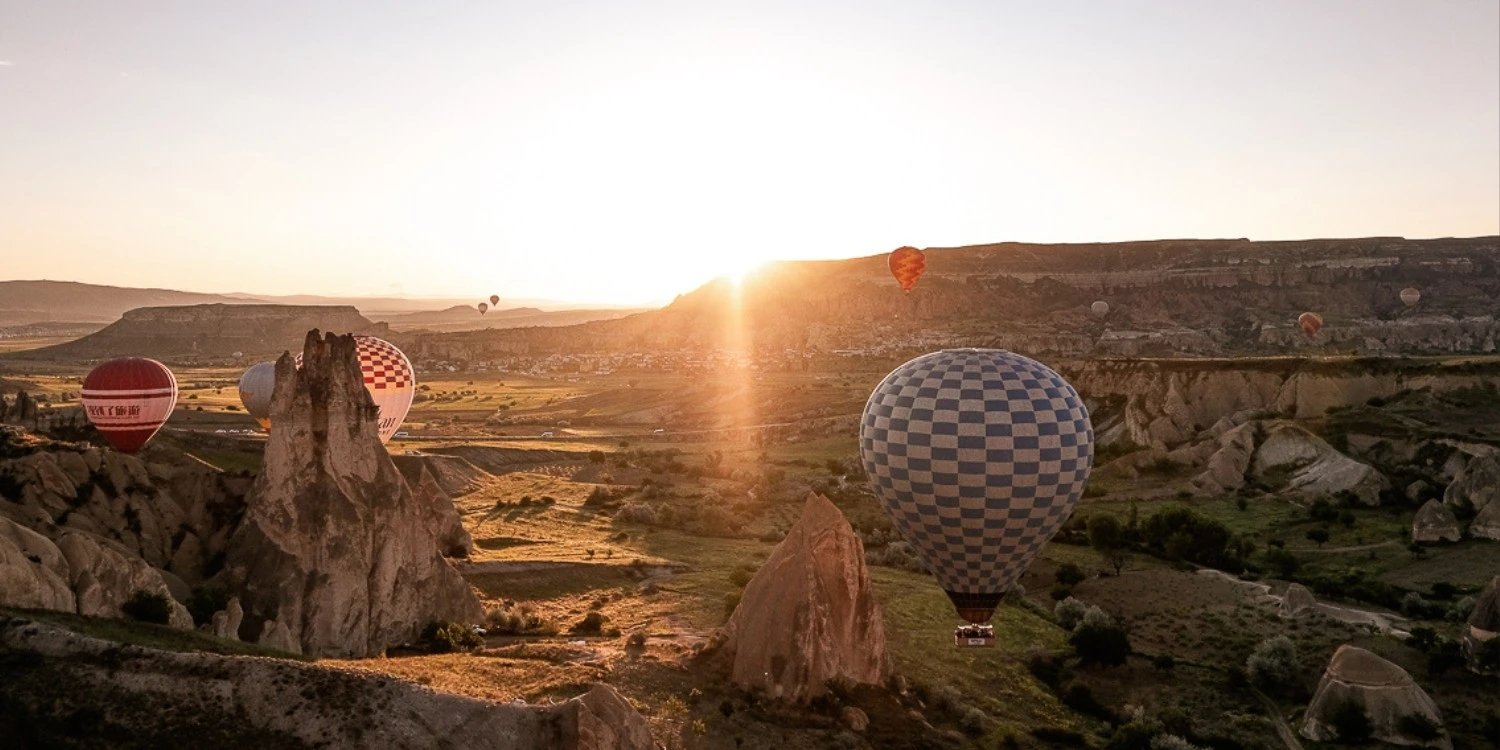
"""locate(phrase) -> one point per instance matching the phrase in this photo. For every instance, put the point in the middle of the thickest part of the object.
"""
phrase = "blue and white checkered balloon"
(979, 456)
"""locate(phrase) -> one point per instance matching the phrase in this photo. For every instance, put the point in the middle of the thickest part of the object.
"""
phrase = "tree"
(1098, 639)
(1319, 535)
(1273, 664)
(1107, 537)
(1069, 574)
(1282, 561)
(1069, 612)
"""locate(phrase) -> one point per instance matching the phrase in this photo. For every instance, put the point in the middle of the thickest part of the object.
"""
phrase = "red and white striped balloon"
(128, 400)
(389, 378)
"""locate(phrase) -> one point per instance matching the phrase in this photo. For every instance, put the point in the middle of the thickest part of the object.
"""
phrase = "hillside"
(1195, 297)
(204, 334)
(23, 302)
(467, 318)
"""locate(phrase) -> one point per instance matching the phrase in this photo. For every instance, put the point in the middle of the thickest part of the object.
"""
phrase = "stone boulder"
(334, 547)
(226, 622)
(1226, 467)
(1384, 690)
(1434, 522)
(33, 573)
(1477, 485)
(157, 698)
(1486, 525)
(809, 615)
(104, 576)
(1484, 622)
(1296, 600)
(1299, 461)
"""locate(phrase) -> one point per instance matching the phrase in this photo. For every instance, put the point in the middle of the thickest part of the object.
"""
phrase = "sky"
(625, 152)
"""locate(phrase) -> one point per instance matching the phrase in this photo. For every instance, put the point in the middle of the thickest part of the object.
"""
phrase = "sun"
(738, 269)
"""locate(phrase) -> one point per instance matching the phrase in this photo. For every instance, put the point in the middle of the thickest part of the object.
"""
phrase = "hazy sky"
(627, 151)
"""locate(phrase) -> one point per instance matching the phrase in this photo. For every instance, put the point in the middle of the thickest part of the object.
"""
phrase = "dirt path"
(1335, 550)
(1283, 730)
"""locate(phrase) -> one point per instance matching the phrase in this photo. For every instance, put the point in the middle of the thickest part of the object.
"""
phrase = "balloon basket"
(974, 636)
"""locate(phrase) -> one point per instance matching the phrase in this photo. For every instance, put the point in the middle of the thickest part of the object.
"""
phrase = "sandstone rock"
(442, 517)
(1384, 690)
(226, 622)
(1477, 484)
(1486, 525)
(1296, 600)
(1225, 471)
(105, 576)
(1435, 523)
(809, 615)
(275, 635)
(1312, 467)
(157, 698)
(1418, 490)
(1484, 621)
(33, 573)
(334, 547)
(855, 719)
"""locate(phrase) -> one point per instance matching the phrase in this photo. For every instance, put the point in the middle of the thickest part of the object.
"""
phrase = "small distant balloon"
(237, 355)
(483, 308)
(128, 400)
(907, 265)
(255, 392)
(494, 299)
(1310, 323)
(1099, 309)
(1410, 296)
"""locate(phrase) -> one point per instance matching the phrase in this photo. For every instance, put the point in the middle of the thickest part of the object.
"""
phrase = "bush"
(147, 606)
(637, 640)
(640, 513)
(1180, 532)
(973, 721)
(442, 637)
(1046, 668)
(1461, 609)
(591, 624)
(741, 576)
(1080, 698)
(1070, 574)
(1069, 612)
(205, 601)
(1273, 665)
(1350, 723)
(1164, 662)
(509, 619)
(1099, 640)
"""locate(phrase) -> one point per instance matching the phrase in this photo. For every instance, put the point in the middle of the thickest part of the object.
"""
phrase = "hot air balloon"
(389, 378)
(1099, 308)
(255, 392)
(483, 308)
(128, 400)
(494, 299)
(978, 456)
(1310, 323)
(1410, 296)
(907, 265)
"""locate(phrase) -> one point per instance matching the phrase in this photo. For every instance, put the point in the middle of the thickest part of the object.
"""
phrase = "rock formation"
(334, 546)
(21, 410)
(1435, 523)
(1477, 485)
(1385, 691)
(809, 615)
(1225, 471)
(441, 517)
(156, 698)
(1313, 467)
(1484, 622)
(1486, 525)
(1296, 600)
(33, 572)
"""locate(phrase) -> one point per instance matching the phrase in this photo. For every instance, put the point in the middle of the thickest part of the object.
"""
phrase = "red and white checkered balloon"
(389, 378)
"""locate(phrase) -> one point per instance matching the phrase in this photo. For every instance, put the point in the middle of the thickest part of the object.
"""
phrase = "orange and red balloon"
(907, 265)
(1310, 323)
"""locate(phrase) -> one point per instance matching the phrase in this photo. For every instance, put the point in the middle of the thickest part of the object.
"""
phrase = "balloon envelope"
(978, 456)
(256, 386)
(494, 299)
(1410, 296)
(1099, 309)
(128, 400)
(1310, 323)
(907, 265)
(389, 378)
(483, 308)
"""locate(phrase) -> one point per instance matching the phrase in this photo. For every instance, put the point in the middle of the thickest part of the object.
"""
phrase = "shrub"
(1099, 640)
(1080, 698)
(1318, 536)
(1282, 562)
(637, 640)
(1046, 668)
(442, 636)
(741, 576)
(731, 601)
(1350, 723)
(1069, 612)
(641, 513)
(1164, 662)
(1181, 532)
(591, 624)
(1273, 664)
(1059, 736)
(973, 721)
(1069, 574)
(147, 606)
(205, 601)
(1460, 610)
(1107, 536)
(1487, 656)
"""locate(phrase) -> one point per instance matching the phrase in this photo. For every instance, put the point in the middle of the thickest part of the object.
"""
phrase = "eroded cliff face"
(336, 555)
(1164, 403)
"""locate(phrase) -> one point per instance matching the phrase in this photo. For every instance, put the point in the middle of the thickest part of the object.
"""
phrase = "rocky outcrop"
(454, 474)
(20, 410)
(33, 572)
(55, 678)
(441, 517)
(104, 577)
(1484, 622)
(1294, 459)
(1296, 600)
(1385, 691)
(809, 615)
(226, 622)
(1435, 523)
(1486, 524)
(1226, 467)
(335, 548)
(1477, 484)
